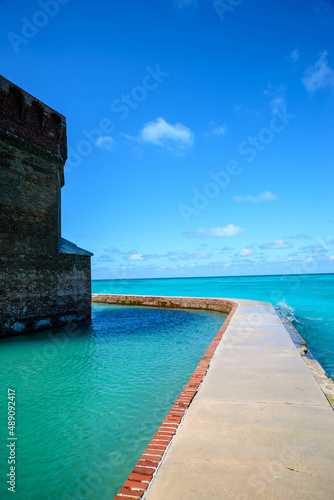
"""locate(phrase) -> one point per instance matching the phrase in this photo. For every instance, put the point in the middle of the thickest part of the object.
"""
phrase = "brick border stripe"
(142, 474)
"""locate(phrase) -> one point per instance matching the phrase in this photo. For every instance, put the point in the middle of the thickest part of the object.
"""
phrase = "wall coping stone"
(143, 473)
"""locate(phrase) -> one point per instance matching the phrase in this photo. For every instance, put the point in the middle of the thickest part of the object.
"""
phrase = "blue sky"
(200, 133)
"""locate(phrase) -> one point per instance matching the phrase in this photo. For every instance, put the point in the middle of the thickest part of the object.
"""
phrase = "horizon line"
(196, 277)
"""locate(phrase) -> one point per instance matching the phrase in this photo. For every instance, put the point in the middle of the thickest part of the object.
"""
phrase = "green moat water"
(89, 398)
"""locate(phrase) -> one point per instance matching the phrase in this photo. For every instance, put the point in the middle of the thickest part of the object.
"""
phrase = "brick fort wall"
(44, 280)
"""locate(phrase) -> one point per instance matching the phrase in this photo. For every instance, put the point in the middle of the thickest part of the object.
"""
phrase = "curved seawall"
(252, 422)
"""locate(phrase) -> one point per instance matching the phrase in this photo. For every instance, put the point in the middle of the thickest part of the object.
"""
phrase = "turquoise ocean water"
(307, 300)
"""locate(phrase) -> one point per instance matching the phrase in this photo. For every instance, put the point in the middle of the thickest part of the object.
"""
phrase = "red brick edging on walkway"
(141, 476)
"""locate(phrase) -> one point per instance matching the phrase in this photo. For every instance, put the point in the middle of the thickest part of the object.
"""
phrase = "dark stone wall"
(45, 295)
(29, 201)
(39, 286)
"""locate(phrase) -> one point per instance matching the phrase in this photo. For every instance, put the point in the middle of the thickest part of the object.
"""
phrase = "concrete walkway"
(259, 427)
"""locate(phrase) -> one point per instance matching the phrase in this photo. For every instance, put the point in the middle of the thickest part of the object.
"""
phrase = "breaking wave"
(287, 311)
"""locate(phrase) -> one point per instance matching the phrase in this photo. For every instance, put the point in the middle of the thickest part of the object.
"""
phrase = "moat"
(89, 398)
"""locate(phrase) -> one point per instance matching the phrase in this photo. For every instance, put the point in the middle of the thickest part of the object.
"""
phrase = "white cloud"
(105, 142)
(264, 196)
(221, 130)
(318, 249)
(294, 56)
(276, 245)
(277, 104)
(136, 256)
(277, 101)
(319, 76)
(331, 257)
(217, 232)
(175, 137)
(229, 230)
(141, 256)
(246, 252)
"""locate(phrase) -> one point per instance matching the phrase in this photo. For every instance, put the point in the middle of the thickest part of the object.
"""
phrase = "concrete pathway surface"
(259, 427)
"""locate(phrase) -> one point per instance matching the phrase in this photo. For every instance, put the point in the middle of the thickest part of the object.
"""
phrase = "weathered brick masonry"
(44, 279)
